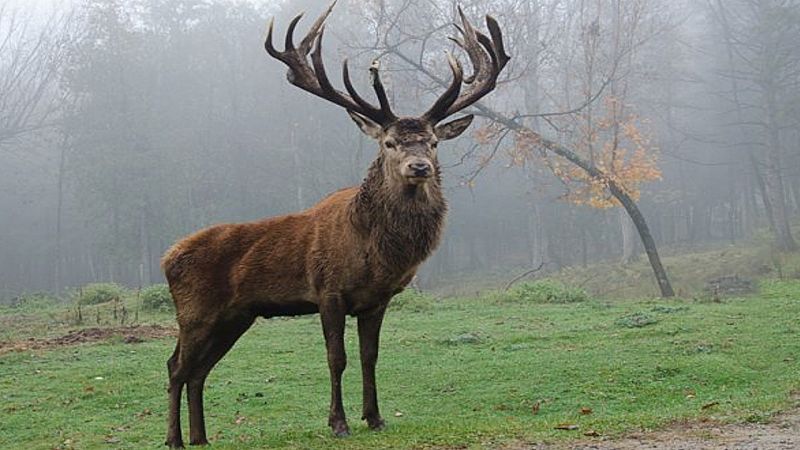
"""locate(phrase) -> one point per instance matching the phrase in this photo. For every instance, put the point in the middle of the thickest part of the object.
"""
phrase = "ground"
(130, 335)
(782, 432)
(493, 371)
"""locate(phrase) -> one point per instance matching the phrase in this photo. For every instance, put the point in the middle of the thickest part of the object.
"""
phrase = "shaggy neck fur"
(403, 222)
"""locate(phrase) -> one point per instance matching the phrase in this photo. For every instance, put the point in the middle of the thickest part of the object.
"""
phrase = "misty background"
(125, 125)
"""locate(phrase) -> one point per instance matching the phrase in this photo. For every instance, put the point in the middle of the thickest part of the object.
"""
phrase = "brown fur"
(348, 254)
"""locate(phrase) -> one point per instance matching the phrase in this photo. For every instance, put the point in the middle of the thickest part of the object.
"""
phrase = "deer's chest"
(378, 292)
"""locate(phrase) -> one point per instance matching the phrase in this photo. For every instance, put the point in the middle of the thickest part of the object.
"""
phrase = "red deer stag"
(347, 255)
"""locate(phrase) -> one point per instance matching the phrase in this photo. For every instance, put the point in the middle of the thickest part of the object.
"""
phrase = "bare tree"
(763, 67)
(524, 126)
(31, 57)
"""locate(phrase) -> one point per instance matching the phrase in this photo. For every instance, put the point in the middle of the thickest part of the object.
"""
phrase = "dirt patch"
(130, 335)
(781, 433)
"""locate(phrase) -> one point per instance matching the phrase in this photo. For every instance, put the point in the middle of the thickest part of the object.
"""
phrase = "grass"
(454, 373)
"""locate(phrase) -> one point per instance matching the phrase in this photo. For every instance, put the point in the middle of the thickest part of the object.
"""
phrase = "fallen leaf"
(709, 405)
(586, 411)
(566, 426)
(592, 433)
(398, 414)
(536, 407)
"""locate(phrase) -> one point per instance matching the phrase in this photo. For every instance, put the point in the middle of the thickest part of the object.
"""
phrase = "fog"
(127, 124)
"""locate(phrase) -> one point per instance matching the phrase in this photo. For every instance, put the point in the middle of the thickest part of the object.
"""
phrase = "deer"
(348, 255)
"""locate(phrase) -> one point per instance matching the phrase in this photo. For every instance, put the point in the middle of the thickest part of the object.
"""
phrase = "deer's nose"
(420, 168)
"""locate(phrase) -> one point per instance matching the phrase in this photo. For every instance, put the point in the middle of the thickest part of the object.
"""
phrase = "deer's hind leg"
(221, 338)
(177, 378)
(181, 365)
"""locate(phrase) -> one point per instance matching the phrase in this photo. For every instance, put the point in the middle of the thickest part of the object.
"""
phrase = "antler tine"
(268, 41)
(315, 30)
(497, 39)
(487, 56)
(319, 68)
(313, 78)
(438, 110)
(476, 55)
(350, 89)
(460, 43)
(289, 44)
(380, 92)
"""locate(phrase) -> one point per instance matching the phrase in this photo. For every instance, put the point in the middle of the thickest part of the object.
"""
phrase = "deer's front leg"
(369, 328)
(332, 312)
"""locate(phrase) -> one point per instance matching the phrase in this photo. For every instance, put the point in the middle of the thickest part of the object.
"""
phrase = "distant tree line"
(127, 124)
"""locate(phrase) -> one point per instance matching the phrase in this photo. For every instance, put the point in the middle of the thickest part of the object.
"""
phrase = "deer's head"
(407, 144)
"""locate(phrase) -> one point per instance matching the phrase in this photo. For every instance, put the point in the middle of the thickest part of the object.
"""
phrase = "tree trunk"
(774, 179)
(619, 193)
(628, 237)
(59, 214)
(144, 247)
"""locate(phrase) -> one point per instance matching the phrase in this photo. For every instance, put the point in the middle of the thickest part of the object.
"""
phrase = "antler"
(488, 58)
(312, 78)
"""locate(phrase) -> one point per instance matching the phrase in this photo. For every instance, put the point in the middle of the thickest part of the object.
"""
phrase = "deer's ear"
(453, 128)
(369, 127)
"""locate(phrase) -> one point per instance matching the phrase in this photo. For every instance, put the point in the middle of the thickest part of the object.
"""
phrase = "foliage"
(272, 390)
(156, 296)
(34, 300)
(547, 291)
(96, 293)
(615, 145)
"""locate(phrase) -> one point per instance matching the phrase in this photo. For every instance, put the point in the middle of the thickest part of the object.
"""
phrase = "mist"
(126, 125)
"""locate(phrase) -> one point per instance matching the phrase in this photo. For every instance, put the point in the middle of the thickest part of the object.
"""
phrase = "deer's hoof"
(376, 424)
(340, 430)
(341, 433)
(174, 443)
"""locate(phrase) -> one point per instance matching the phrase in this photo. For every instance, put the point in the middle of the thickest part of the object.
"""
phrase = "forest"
(128, 124)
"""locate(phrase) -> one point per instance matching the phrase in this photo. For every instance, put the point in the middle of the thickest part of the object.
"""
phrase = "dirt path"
(781, 433)
(130, 335)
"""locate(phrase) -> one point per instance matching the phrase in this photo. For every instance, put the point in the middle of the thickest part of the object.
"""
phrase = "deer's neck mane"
(403, 222)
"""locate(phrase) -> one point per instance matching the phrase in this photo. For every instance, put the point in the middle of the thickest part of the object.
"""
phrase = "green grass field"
(452, 373)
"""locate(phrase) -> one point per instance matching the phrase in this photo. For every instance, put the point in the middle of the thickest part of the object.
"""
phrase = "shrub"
(96, 293)
(547, 291)
(156, 296)
(412, 300)
(34, 300)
